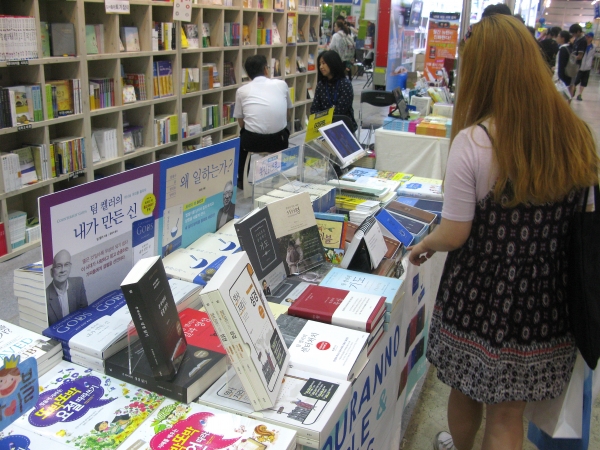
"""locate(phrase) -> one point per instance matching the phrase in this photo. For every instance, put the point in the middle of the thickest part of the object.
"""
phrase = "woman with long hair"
(343, 44)
(500, 333)
(333, 88)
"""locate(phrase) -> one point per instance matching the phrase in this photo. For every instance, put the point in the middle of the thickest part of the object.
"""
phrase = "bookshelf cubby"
(113, 62)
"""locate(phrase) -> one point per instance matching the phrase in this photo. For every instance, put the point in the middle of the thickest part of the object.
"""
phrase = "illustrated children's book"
(83, 409)
(177, 425)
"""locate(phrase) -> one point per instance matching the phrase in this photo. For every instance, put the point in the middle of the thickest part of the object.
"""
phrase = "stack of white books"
(15, 340)
(30, 291)
(104, 144)
(90, 335)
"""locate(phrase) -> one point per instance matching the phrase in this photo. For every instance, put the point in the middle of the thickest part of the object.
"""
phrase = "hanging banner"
(442, 41)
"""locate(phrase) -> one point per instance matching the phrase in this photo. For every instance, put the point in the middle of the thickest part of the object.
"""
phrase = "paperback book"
(308, 404)
(155, 317)
(179, 426)
(240, 314)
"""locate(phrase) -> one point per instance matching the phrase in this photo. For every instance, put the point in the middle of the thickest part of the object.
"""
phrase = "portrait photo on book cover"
(226, 213)
(64, 294)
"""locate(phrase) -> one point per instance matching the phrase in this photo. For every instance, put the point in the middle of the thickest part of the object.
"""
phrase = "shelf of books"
(85, 94)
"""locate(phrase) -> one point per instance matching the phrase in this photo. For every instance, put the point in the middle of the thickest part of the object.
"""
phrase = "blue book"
(359, 172)
(394, 227)
(390, 288)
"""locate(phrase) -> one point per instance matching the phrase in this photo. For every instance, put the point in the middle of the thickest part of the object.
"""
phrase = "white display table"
(398, 151)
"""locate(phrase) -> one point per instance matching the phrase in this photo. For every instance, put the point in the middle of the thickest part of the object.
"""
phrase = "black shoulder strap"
(483, 127)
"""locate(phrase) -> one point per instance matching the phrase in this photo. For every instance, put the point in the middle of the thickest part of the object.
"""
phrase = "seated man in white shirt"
(262, 108)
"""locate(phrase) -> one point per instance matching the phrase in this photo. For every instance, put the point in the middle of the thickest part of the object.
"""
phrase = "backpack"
(348, 48)
(572, 67)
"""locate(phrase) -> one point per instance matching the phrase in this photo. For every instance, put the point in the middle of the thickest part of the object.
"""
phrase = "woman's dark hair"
(341, 24)
(565, 35)
(335, 64)
(255, 66)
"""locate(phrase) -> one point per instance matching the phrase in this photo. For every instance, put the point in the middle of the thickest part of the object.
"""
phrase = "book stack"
(69, 154)
(358, 172)
(43, 158)
(203, 363)
(308, 404)
(432, 206)
(203, 427)
(322, 196)
(18, 45)
(94, 39)
(228, 109)
(102, 93)
(30, 291)
(417, 221)
(228, 74)
(239, 312)
(163, 79)
(190, 31)
(62, 39)
(138, 81)
(17, 223)
(231, 37)
(300, 64)
(104, 144)
(99, 331)
(15, 340)
(190, 80)
(133, 138)
(425, 188)
(166, 128)
(211, 118)
(11, 172)
(20, 105)
(33, 231)
(63, 97)
(27, 167)
(163, 36)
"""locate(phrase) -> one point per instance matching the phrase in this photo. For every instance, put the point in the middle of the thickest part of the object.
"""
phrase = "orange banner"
(442, 40)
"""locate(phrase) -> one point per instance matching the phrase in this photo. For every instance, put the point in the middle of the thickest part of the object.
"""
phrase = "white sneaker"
(443, 441)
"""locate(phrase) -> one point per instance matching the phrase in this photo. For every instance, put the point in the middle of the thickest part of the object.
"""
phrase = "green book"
(91, 45)
(49, 107)
(45, 39)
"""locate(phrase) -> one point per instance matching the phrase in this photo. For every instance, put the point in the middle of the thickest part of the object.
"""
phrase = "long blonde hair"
(539, 144)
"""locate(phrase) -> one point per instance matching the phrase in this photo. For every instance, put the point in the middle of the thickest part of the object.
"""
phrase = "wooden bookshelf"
(141, 113)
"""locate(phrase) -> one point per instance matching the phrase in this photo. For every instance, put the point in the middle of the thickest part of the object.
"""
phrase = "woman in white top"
(500, 332)
(343, 44)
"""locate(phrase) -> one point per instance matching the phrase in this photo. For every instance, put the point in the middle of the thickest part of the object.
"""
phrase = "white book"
(33, 312)
(36, 306)
(324, 349)
(193, 265)
(19, 341)
(217, 243)
(238, 309)
(309, 404)
(422, 189)
(203, 427)
(80, 407)
(85, 360)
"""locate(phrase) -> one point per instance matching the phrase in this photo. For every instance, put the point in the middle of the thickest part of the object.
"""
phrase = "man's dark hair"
(553, 32)
(499, 8)
(520, 19)
(335, 64)
(255, 66)
(575, 28)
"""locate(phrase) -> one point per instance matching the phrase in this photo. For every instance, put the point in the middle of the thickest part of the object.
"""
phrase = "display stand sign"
(276, 163)
(442, 41)
(117, 6)
(316, 121)
(182, 10)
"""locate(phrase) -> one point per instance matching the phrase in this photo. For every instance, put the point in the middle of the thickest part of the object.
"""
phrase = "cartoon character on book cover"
(18, 388)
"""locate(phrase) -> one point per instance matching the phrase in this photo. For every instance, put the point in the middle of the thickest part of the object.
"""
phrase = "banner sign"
(442, 41)
(316, 121)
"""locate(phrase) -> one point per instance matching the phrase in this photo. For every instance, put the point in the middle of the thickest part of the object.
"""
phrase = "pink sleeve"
(460, 195)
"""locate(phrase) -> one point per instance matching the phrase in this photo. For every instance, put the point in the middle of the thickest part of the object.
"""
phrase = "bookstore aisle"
(430, 405)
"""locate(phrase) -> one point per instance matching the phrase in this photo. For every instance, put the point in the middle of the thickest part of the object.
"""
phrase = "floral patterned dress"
(500, 329)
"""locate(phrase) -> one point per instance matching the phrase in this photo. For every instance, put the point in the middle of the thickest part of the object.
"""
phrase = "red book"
(199, 330)
(348, 309)
(3, 246)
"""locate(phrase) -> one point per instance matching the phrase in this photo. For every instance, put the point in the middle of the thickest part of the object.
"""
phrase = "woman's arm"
(448, 236)
(318, 103)
(345, 97)
(563, 57)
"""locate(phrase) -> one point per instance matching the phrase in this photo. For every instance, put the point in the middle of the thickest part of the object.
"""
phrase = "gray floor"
(430, 406)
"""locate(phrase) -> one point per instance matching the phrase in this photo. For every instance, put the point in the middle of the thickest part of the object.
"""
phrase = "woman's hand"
(419, 253)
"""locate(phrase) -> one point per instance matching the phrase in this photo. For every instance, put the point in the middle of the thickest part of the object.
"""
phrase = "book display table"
(398, 151)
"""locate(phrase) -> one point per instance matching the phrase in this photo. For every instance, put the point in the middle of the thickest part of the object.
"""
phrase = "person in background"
(500, 331)
(562, 58)
(579, 46)
(343, 44)
(586, 65)
(262, 108)
(549, 45)
(333, 88)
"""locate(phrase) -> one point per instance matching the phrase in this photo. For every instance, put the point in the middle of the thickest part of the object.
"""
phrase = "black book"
(154, 314)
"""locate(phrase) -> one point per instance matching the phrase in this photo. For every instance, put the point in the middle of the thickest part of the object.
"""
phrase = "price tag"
(75, 174)
(116, 6)
(267, 166)
(182, 10)
(316, 121)
(13, 63)
(24, 127)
